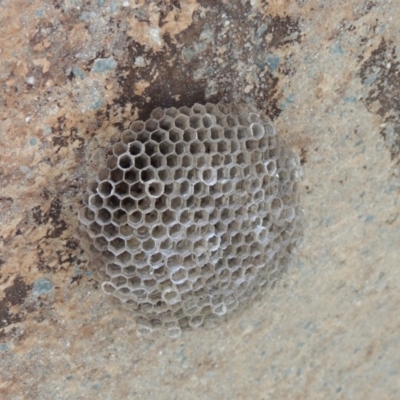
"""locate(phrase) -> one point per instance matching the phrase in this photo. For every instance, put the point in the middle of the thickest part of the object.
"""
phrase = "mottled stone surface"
(74, 73)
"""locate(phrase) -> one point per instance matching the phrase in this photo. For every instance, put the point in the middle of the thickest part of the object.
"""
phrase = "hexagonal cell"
(133, 244)
(163, 175)
(167, 122)
(257, 130)
(105, 189)
(216, 190)
(227, 215)
(199, 109)
(207, 203)
(151, 148)
(180, 148)
(137, 126)
(166, 147)
(119, 148)
(209, 176)
(200, 217)
(172, 112)
(210, 146)
(86, 215)
(217, 160)
(232, 120)
(123, 258)
(251, 144)
(207, 121)
(149, 284)
(235, 147)
(108, 288)
(100, 243)
(112, 203)
(179, 175)
(202, 134)
(219, 228)
(179, 275)
(196, 147)
(117, 245)
(113, 269)
(221, 119)
(171, 189)
(200, 161)
(255, 185)
(199, 247)
(126, 231)
(170, 295)
(175, 135)
(189, 135)
(129, 270)
(143, 137)
(151, 125)
(258, 196)
(172, 161)
(181, 122)
(185, 189)
(276, 206)
(145, 204)
(186, 161)
(112, 162)
(223, 147)
(243, 133)
(94, 229)
(136, 148)
(142, 161)
(192, 202)
(103, 216)
(157, 161)
(157, 113)
(143, 232)
(137, 190)
(196, 322)
(159, 232)
(195, 121)
(186, 111)
(148, 245)
(110, 231)
(127, 136)
(184, 247)
(131, 176)
(128, 204)
(168, 217)
(116, 175)
(176, 231)
(176, 203)
(288, 213)
(121, 189)
(200, 189)
(161, 203)
(151, 217)
(147, 174)
(217, 132)
(154, 189)
(222, 174)
(119, 217)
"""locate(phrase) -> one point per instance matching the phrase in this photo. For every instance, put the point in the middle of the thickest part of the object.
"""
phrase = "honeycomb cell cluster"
(194, 214)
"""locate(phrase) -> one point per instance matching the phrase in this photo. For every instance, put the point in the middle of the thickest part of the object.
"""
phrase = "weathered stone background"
(74, 73)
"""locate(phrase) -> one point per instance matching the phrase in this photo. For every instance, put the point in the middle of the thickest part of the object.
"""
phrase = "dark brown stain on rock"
(380, 73)
(210, 60)
(52, 217)
(13, 296)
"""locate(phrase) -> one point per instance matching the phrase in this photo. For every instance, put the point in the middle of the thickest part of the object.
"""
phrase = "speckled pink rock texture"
(74, 74)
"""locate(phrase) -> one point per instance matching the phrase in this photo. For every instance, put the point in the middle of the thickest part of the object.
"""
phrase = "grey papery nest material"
(194, 214)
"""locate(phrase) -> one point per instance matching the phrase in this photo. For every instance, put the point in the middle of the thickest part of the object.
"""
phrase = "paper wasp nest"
(195, 212)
